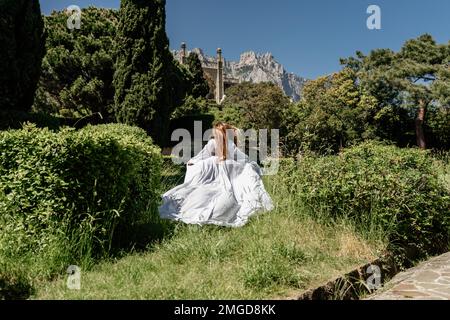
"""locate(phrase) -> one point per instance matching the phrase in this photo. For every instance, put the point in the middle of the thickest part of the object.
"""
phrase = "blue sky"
(307, 37)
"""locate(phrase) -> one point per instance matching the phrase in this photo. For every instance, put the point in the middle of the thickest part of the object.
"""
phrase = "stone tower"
(183, 53)
(219, 82)
(214, 72)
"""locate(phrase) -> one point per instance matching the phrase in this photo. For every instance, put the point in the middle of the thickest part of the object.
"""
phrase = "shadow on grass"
(146, 235)
(15, 289)
(15, 285)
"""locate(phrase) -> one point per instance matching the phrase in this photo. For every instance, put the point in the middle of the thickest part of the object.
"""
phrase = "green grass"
(276, 255)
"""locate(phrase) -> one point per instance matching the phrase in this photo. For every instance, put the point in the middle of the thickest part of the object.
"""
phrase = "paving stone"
(405, 286)
(429, 298)
(429, 286)
(430, 280)
(443, 281)
(427, 276)
(410, 294)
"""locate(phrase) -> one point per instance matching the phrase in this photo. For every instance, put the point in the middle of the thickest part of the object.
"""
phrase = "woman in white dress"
(221, 186)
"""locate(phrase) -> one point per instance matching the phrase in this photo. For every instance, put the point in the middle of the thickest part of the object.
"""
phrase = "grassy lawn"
(275, 255)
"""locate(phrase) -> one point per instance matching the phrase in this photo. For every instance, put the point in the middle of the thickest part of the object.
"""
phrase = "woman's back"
(212, 150)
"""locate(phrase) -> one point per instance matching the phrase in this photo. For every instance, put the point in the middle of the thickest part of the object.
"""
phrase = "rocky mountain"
(254, 67)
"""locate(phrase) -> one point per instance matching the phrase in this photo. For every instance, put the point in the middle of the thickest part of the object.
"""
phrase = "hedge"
(396, 188)
(71, 196)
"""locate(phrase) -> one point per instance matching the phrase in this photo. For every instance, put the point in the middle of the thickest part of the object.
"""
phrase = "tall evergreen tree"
(78, 68)
(147, 80)
(199, 85)
(21, 51)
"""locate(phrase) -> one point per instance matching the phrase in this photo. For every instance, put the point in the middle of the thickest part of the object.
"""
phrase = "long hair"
(221, 131)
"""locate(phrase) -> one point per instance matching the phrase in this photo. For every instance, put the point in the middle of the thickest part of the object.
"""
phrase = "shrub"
(14, 281)
(70, 197)
(397, 189)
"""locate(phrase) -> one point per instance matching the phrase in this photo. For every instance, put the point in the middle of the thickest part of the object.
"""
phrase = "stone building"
(214, 74)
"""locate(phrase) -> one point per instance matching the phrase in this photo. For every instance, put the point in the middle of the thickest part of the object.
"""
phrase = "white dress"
(225, 193)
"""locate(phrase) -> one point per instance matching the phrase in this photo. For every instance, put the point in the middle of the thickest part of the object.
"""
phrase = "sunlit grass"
(277, 254)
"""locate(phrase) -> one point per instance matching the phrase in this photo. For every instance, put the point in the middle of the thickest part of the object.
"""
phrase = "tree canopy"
(334, 112)
(78, 69)
(414, 79)
(254, 105)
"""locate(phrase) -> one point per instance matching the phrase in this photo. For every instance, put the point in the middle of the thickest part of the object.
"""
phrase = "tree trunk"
(420, 135)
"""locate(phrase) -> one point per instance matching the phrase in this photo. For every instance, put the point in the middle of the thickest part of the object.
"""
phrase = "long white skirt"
(225, 193)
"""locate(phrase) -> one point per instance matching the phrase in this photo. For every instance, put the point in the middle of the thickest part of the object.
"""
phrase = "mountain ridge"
(256, 67)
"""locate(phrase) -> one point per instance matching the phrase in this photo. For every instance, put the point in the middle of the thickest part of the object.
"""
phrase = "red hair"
(220, 135)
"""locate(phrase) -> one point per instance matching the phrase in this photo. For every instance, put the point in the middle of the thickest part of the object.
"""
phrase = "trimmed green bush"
(397, 189)
(70, 197)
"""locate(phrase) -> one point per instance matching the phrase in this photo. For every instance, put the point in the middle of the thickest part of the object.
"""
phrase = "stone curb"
(353, 284)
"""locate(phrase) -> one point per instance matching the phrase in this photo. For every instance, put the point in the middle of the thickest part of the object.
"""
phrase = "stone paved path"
(430, 280)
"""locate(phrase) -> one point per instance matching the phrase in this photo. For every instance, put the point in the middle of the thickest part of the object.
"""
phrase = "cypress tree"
(199, 85)
(22, 48)
(146, 76)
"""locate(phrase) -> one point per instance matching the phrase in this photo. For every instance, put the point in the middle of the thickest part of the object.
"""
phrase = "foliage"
(420, 62)
(406, 84)
(391, 120)
(200, 87)
(149, 84)
(228, 113)
(16, 119)
(193, 106)
(190, 123)
(437, 127)
(398, 189)
(70, 197)
(21, 52)
(77, 71)
(254, 105)
(334, 112)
